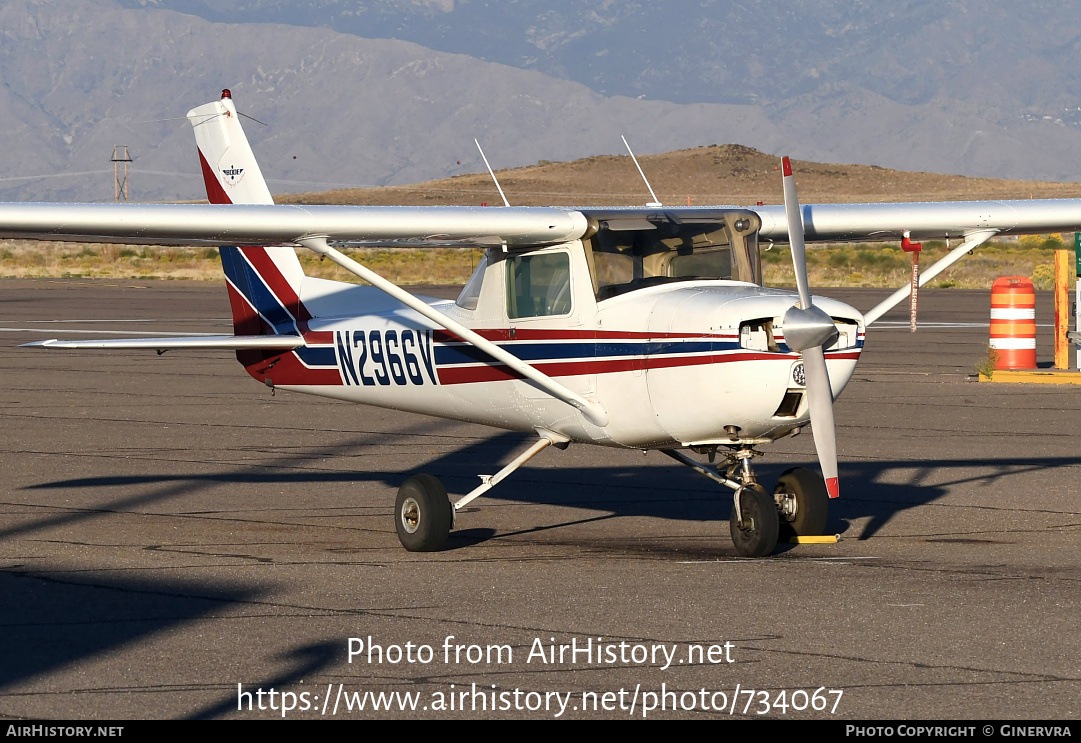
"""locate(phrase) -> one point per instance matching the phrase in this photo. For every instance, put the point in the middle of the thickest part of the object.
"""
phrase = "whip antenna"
(492, 173)
(656, 201)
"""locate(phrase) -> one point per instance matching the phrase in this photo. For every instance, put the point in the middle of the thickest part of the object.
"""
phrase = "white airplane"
(644, 328)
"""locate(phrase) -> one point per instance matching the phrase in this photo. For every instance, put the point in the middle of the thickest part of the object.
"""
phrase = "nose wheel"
(754, 525)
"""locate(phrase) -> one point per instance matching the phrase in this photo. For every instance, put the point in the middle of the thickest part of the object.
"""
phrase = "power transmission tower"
(120, 155)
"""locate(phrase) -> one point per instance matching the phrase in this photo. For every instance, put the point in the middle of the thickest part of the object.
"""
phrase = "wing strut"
(592, 410)
(972, 240)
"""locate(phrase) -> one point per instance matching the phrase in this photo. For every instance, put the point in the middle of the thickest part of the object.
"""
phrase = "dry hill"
(727, 174)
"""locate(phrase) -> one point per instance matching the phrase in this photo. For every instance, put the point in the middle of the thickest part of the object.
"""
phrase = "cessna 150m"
(646, 328)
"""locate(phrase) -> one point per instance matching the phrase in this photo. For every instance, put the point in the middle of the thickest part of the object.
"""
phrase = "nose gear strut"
(797, 506)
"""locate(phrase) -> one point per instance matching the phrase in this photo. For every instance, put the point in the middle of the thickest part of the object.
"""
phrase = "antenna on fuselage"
(492, 173)
(656, 201)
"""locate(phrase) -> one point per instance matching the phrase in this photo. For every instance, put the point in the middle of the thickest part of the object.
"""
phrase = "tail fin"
(264, 283)
(230, 171)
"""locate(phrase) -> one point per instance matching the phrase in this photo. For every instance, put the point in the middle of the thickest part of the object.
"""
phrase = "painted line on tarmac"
(157, 333)
(896, 324)
(162, 319)
(802, 559)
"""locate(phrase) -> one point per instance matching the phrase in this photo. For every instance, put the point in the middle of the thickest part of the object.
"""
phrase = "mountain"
(1005, 57)
(340, 110)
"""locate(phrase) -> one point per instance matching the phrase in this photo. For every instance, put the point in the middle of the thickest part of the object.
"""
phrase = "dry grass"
(868, 264)
(401, 265)
(30, 259)
(886, 265)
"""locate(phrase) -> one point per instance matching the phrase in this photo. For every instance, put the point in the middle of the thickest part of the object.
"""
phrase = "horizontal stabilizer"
(216, 342)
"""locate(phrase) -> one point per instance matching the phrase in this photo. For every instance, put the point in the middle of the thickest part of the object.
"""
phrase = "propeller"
(808, 329)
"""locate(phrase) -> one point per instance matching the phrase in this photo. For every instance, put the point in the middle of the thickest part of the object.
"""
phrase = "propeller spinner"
(809, 330)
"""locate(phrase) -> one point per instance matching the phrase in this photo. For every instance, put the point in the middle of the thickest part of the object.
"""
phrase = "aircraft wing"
(923, 220)
(521, 227)
(259, 224)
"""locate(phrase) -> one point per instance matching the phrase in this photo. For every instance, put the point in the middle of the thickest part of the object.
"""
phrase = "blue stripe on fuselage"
(466, 354)
(317, 355)
(591, 349)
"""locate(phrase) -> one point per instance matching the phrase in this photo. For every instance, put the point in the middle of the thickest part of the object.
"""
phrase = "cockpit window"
(652, 253)
(538, 285)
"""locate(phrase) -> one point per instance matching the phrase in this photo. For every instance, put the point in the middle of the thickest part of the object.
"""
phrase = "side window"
(470, 295)
(538, 285)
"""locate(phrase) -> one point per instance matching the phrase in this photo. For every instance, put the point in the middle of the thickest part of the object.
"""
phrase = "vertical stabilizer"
(231, 174)
(264, 283)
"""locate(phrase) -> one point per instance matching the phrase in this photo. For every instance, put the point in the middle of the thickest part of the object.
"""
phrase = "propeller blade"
(820, 401)
(795, 234)
(811, 329)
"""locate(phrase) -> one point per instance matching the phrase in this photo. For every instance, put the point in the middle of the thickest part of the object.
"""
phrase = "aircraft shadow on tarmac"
(658, 489)
(52, 621)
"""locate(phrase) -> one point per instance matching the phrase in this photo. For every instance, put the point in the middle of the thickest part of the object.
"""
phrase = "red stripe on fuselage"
(498, 372)
(286, 369)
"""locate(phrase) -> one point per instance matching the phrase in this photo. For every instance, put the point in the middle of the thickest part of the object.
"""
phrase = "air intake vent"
(789, 406)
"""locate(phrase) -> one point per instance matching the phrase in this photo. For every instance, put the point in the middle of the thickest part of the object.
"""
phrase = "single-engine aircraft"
(646, 328)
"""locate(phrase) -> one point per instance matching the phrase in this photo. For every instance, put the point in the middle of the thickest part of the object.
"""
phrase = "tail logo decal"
(233, 175)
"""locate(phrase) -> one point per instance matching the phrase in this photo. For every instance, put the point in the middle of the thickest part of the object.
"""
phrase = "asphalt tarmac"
(170, 530)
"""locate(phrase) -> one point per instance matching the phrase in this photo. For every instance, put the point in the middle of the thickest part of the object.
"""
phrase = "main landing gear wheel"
(756, 534)
(423, 514)
(803, 503)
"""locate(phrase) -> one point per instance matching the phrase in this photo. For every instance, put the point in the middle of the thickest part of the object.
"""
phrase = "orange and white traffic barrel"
(1013, 322)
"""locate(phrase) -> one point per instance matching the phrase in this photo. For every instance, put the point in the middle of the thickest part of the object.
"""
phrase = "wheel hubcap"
(787, 506)
(410, 515)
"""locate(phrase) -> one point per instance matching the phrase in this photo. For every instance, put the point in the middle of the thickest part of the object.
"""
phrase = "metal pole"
(1077, 293)
(915, 290)
(120, 185)
(1062, 309)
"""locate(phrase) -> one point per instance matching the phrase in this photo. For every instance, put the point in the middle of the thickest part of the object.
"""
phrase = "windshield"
(628, 259)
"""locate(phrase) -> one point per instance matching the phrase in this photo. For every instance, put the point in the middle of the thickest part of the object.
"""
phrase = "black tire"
(422, 514)
(812, 503)
(756, 536)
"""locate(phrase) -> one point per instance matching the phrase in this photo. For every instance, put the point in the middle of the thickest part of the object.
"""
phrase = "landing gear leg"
(424, 516)
(754, 522)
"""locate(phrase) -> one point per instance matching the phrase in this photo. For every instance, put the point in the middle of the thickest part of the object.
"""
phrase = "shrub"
(1043, 277)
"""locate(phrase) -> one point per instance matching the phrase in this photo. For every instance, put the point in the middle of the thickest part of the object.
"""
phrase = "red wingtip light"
(832, 487)
(226, 93)
(786, 166)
